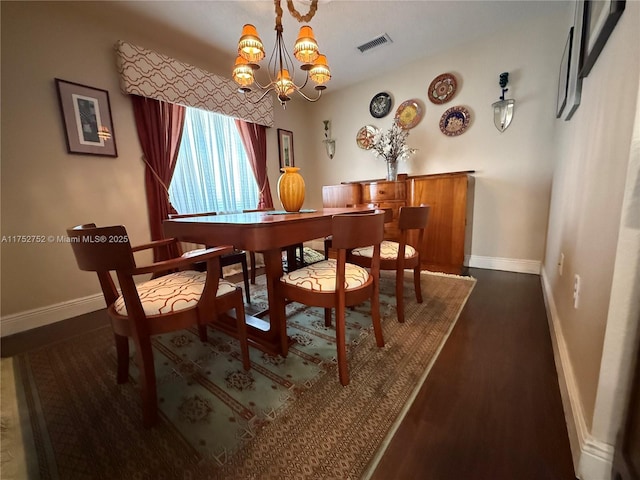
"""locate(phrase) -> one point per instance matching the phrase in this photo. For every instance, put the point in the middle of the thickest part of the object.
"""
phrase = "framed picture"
(574, 87)
(563, 78)
(86, 114)
(285, 147)
(600, 18)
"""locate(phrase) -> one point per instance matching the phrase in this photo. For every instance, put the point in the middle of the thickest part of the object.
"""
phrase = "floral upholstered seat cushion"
(171, 293)
(388, 251)
(321, 276)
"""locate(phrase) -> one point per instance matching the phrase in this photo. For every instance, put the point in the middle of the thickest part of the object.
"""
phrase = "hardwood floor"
(490, 408)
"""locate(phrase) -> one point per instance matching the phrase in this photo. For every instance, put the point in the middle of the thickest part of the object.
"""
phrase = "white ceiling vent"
(375, 43)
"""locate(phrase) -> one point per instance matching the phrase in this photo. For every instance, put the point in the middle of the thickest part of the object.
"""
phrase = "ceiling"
(417, 29)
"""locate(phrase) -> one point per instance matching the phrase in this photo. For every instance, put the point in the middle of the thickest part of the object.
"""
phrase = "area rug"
(285, 418)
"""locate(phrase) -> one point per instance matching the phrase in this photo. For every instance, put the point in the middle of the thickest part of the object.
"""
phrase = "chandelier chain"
(306, 18)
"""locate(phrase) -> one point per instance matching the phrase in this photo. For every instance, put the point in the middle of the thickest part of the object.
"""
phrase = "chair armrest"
(187, 259)
(154, 244)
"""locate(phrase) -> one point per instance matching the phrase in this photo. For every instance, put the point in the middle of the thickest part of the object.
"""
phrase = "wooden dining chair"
(336, 284)
(399, 255)
(234, 257)
(328, 240)
(167, 303)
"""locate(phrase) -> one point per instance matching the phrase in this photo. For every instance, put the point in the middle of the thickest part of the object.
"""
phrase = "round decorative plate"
(364, 137)
(380, 105)
(409, 114)
(455, 121)
(442, 88)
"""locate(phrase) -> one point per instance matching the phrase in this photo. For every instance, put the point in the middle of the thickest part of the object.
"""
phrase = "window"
(212, 171)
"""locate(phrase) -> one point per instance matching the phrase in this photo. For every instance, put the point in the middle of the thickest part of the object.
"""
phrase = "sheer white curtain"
(212, 172)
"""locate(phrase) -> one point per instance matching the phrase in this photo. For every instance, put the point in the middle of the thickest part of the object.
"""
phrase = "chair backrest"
(355, 230)
(388, 212)
(101, 249)
(413, 218)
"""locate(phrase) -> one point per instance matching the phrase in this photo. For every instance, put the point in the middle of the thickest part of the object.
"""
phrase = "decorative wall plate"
(380, 105)
(409, 114)
(455, 121)
(364, 137)
(442, 88)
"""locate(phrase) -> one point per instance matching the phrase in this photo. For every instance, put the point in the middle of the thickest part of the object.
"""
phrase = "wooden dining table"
(267, 232)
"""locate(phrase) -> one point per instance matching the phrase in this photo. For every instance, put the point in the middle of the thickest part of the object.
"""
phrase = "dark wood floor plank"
(491, 407)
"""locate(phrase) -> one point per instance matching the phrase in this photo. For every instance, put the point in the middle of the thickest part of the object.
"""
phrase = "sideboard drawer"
(383, 190)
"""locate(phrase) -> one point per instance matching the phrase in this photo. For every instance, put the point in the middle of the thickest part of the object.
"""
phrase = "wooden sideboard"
(450, 195)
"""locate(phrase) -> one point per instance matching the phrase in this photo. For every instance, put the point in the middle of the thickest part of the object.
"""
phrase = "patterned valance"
(150, 74)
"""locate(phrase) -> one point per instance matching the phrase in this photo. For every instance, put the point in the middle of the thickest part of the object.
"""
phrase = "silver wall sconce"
(503, 109)
(329, 143)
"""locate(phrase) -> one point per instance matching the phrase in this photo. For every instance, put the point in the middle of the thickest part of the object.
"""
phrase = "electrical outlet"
(561, 264)
(576, 291)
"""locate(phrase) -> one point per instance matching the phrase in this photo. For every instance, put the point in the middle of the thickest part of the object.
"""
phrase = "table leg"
(277, 315)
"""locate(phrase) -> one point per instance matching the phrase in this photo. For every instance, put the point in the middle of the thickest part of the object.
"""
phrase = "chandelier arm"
(295, 14)
(306, 80)
(262, 87)
(266, 92)
(309, 99)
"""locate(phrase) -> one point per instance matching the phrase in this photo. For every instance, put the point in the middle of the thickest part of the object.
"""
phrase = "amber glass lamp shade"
(242, 72)
(250, 46)
(284, 84)
(320, 72)
(306, 47)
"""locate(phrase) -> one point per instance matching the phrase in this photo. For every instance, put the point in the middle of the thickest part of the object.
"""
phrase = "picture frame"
(285, 148)
(600, 18)
(86, 116)
(563, 77)
(574, 87)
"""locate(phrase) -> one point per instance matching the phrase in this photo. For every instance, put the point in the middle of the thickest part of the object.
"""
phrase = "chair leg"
(375, 315)
(122, 353)
(144, 356)
(242, 334)
(202, 332)
(252, 260)
(416, 283)
(245, 277)
(343, 369)
(327, 317)
(400, 295)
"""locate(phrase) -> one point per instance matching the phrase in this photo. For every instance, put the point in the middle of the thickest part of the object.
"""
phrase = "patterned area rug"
(285, 418)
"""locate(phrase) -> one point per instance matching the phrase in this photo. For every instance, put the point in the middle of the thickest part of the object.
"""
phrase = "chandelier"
(280, 68)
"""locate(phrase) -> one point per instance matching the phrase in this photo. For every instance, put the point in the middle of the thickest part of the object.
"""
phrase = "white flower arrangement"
(391, 145)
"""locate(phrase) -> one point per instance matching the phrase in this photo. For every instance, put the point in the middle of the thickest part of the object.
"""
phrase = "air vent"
(375, 43)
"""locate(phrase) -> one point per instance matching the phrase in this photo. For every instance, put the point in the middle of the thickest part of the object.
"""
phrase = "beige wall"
(45, 189)
(513, 169)
(586, 225)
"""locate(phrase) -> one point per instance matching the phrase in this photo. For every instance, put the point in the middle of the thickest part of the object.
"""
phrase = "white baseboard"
(592, 459)
(20, 322)
(504, 264)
